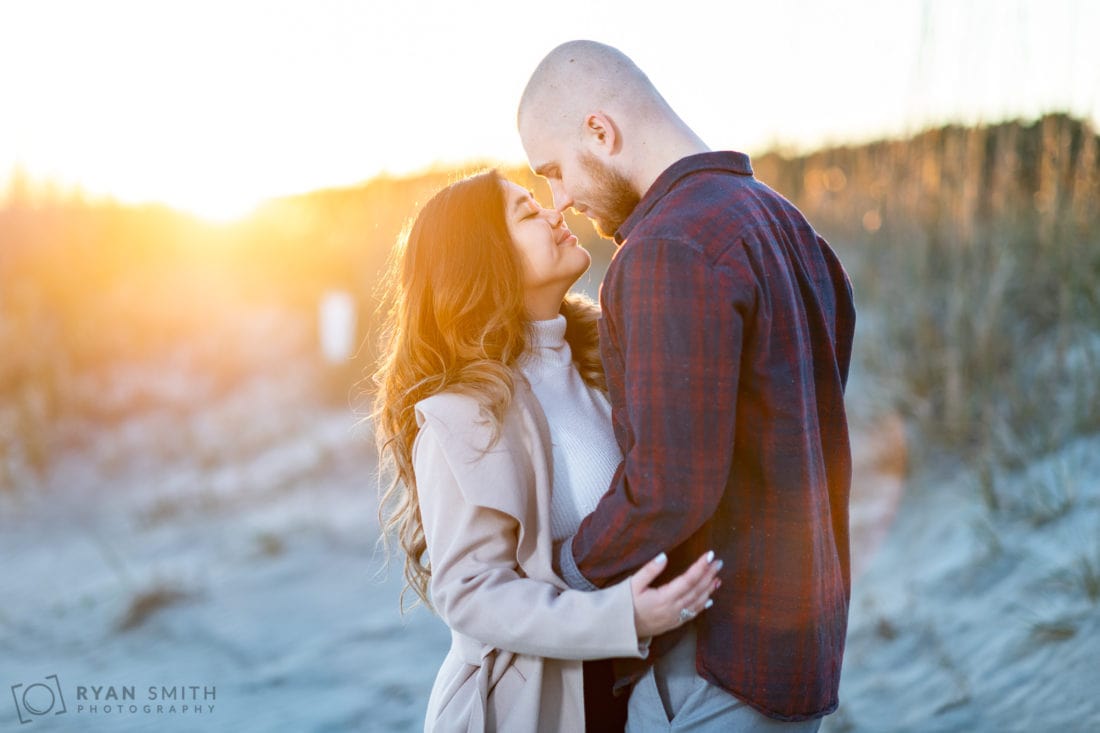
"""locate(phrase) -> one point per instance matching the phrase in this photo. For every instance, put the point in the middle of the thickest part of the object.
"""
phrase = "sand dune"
(246, 561)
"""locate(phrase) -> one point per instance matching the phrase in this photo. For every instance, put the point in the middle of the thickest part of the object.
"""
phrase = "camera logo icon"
(38, 699)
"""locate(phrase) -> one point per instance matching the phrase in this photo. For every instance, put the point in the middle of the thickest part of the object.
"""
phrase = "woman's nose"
(555, 217)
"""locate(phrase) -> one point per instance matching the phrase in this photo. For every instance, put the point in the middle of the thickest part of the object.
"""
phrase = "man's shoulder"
(711, 211)
(690, 236)
(705, 206)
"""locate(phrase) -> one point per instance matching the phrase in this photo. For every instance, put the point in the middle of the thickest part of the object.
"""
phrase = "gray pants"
(673, 697)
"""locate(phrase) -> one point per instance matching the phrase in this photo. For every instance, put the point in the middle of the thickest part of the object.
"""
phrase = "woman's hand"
(657, 610)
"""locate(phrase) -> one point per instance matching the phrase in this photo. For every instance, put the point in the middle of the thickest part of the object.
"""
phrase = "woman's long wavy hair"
(456, 322)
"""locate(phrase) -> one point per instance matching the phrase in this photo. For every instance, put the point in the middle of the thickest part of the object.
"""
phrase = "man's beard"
(611, 198)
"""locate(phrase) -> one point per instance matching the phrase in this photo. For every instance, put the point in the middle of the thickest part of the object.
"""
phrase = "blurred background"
(198, 204)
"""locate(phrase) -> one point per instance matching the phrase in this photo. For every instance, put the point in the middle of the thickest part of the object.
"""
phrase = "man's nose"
(562, 200)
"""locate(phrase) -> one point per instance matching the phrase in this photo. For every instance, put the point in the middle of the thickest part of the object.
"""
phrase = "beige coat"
(517, 632)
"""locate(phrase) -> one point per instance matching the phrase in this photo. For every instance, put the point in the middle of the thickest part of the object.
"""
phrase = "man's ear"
(601, 135)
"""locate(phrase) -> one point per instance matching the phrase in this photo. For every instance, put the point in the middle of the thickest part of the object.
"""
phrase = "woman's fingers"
(700, 599)
(702, 590)
(659, 609)
(649, 572)
(698, 578)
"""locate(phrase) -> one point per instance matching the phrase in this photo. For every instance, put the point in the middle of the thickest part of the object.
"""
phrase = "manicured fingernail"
(710, 556)
(720, 564)
(710, 602)
(661, 559)
(717, 584)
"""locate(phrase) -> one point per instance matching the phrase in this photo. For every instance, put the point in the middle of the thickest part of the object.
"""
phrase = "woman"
(490, 408)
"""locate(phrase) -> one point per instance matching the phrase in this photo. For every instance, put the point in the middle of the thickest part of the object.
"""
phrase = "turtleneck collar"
(547, 345)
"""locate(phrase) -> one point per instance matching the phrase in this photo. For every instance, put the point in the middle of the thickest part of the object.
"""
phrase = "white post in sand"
(337, 326)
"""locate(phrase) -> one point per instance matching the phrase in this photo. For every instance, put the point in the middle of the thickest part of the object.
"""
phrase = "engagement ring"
(686, 614)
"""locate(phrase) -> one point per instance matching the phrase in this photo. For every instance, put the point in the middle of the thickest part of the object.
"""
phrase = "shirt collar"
(728, 160)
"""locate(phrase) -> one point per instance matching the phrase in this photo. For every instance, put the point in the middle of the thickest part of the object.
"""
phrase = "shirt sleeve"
(845, 326)
(676, 322)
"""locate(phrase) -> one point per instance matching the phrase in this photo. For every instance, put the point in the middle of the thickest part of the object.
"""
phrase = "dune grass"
(975, 254)
(977, 251)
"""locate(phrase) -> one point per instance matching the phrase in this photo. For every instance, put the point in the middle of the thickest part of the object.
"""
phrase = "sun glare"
(214, 206)
(213, 107)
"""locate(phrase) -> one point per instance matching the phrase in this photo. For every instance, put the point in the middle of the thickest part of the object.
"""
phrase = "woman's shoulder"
(487, 463)
(463, 403)
(454, 416)
(464, 415)
(449, 407)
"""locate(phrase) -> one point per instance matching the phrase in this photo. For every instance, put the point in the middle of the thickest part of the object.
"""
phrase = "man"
(726, 334)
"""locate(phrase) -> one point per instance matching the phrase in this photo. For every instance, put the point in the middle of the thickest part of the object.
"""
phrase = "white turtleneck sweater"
(584, 447)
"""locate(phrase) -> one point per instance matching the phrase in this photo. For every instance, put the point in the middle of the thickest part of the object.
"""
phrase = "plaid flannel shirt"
(726, 335)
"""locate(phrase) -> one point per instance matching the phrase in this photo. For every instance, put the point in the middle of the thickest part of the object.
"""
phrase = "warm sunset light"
(277, 343)
(213, 106)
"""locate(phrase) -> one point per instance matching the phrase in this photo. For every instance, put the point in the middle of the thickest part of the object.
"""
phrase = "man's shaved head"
(595, 127)
(584, 76)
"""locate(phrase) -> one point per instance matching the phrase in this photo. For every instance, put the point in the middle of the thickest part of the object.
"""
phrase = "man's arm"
(677, 321)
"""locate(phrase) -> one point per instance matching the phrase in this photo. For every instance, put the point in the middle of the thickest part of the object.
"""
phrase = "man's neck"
(676, 144)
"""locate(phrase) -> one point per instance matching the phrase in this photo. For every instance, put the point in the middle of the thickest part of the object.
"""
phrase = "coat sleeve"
(477, 586)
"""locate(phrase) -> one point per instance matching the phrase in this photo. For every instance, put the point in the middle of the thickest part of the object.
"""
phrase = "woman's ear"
(601, 134)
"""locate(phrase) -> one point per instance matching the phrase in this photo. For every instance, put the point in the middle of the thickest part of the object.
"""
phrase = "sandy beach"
(210, 562)
(234, 552)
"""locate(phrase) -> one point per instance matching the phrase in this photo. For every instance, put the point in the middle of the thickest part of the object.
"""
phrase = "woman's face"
(550, 257)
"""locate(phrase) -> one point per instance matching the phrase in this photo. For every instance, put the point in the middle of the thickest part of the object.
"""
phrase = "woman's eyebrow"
(522, 200)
